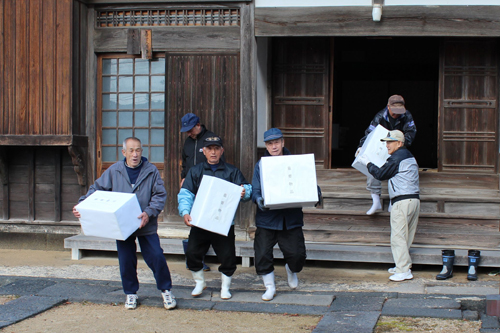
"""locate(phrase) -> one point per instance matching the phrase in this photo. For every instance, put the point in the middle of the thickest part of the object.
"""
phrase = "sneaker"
(392, 270)
(131, 302)
(401, 276)
(168, 300)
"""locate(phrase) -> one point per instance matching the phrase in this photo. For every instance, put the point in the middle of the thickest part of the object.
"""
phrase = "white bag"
(215, 205)
(110, 214)
(288, 181)
(374, 149)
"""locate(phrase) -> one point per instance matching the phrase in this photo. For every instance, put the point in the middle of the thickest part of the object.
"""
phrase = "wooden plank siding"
(396, 21)
(468, 111)
(208, 85)
(37, 68)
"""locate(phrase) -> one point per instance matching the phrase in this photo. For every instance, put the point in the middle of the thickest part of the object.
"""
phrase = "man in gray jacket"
(136, 175)
(401, 169)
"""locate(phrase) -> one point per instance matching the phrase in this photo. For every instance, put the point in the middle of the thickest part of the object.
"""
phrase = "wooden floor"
(460, 211)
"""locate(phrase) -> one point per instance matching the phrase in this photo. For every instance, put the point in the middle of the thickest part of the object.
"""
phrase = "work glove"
(260, 203)
(363, 160)
(357, 152)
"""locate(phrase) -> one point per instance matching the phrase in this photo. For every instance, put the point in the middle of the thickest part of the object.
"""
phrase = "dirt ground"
(87, 317)
(417, 325)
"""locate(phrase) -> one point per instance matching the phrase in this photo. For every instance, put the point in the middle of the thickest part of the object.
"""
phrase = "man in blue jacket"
(136, 175)
(282, 226)
(401, 169)
(393, 117)
(200, 239)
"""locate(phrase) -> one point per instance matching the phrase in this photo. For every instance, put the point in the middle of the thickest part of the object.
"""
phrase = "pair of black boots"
(449, 259)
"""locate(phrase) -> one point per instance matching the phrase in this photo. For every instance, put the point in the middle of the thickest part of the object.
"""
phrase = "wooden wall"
(41, 185)
(36, 67)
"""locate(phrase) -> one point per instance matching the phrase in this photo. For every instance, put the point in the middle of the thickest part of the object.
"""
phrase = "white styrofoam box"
(374, 149)
(110, 214)
(288, 181)
(215, 205)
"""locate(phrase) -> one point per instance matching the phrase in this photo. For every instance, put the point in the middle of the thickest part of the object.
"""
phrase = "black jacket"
(192, 153)
(224, 171)
(404, 123)
(278, 219)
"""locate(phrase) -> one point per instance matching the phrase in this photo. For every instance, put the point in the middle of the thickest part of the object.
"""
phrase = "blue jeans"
(153, 256)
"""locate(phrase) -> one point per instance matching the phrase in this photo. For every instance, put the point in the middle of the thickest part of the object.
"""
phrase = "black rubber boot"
(474, 258)
(448, 260)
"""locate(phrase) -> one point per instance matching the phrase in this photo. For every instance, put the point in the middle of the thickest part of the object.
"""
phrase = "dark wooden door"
(300, 95)
(207, 85)
(468, 106)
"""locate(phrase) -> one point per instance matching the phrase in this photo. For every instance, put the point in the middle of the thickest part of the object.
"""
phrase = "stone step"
(315, 251)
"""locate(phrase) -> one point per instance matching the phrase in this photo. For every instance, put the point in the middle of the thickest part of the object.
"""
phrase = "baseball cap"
(212, 141)
(395, 135)
(272, 134)
(188, 121)
(397, 104)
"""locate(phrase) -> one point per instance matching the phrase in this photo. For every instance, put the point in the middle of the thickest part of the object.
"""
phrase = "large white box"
(215, 205)
(374, 149)
(288, 181)
(110, 214)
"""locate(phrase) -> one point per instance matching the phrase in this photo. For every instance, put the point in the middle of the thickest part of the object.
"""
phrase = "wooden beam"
(122, 2)
(248, 116)
(452, 21)
(43, 140)
(146, 44)
(133, 41)
(172, 38)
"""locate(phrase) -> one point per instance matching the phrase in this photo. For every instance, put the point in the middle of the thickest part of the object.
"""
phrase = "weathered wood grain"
(172, 38)
(396, 21)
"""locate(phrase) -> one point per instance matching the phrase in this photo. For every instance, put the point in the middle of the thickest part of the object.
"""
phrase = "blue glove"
(260, 203)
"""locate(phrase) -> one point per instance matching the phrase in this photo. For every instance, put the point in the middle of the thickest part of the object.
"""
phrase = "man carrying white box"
(136, 175)
(282, 226)
(393, 117)
(200, 239)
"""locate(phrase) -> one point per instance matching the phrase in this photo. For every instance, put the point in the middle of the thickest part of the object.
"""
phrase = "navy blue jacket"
(404, 123)
(192, 153)
(279, 219)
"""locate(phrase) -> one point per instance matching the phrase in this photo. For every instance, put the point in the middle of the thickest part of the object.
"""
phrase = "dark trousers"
(291, 243)
(153, 256)
(198, 244)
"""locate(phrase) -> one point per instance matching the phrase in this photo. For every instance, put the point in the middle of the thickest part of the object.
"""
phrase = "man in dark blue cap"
(192, 153)
(282, 226)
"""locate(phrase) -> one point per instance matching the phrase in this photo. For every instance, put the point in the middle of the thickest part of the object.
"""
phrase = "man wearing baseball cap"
(393, 117)
(192, 153)
(282, 226)
(200, 239)
(401, 171)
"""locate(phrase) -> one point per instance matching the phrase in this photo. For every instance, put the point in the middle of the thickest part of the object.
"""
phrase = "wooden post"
(57, 185)
(248, 116)
(146, 44)
(31, 185)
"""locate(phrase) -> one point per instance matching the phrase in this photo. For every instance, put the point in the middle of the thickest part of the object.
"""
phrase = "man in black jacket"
(192, 153)
(282, 226)
(393, 117)
(200, 239)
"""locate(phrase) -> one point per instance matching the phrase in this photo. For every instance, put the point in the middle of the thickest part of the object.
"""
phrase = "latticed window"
(167, 17)
(132, 104)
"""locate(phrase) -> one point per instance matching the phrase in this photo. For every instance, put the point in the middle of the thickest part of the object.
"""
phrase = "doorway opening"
(366, 71)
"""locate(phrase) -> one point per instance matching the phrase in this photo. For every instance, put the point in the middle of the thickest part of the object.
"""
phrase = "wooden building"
(77, 77)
